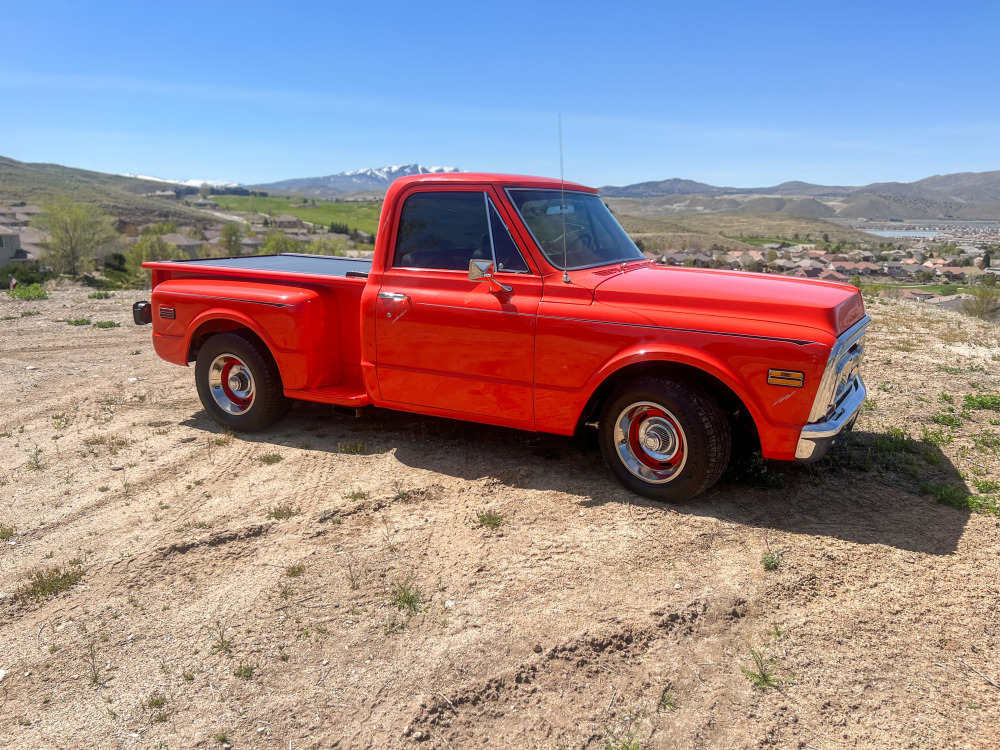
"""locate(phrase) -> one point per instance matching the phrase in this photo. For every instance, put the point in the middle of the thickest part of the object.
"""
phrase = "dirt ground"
(329, 583)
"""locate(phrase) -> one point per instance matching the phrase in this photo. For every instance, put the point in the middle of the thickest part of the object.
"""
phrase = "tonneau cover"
(315, 265)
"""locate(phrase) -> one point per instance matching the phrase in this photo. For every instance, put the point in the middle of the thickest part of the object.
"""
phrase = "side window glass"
(442, 230)
(508, 257)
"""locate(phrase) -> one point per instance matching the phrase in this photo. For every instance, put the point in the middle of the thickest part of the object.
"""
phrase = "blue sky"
(730, 93)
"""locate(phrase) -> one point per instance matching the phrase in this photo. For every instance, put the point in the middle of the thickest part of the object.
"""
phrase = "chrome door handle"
(393, 296)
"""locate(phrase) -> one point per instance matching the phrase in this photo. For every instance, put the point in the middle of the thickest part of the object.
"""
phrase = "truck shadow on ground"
(873, 488)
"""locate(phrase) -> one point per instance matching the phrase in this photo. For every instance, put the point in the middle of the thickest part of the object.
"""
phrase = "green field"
(363, 216)
(930, 288)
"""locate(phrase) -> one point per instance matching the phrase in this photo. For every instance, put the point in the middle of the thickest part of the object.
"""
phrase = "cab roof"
(503, 180)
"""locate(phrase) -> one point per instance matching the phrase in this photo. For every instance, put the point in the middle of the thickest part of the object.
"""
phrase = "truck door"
(443, 341)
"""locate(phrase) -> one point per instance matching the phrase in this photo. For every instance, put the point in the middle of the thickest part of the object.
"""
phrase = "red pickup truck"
(521, 302)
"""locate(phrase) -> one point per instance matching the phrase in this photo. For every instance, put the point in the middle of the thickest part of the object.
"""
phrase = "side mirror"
(484, 269)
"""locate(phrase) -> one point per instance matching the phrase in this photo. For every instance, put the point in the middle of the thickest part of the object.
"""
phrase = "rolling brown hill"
(119, 196)
(967, 195)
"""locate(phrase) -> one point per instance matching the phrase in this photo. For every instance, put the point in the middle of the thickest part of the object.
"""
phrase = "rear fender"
(298, 325)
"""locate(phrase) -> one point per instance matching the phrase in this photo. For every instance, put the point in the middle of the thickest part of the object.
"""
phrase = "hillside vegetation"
(119, 196)
(661, 232)
(363, 216)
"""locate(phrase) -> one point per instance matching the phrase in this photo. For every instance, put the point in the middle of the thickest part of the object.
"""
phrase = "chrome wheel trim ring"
(650, 442)
(231, 384)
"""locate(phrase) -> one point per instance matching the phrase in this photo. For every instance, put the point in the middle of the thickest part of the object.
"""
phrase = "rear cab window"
(446, 229)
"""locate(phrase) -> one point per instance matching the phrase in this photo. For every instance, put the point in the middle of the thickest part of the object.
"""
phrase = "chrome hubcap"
(232, 384)
(650, 442)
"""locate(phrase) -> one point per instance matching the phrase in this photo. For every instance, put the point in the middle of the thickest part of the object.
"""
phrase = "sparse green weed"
(762, 675)
(282, 512)
(668, 700)
(945, 418)
(106, 324)
(489, 518)
(221, 643)
(270, 458)
(43, 583)
(29, 292)
(771, 560)
(406, 596)
(986, 486)
(353, 447)
(935, 437)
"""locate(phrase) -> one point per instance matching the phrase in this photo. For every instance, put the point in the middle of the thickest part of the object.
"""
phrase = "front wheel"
(664, 439)
(239, 383)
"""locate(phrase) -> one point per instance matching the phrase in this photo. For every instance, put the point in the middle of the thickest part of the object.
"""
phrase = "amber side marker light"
(785, 377)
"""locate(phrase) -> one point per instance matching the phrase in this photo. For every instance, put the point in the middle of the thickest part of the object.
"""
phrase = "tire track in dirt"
(468, 717)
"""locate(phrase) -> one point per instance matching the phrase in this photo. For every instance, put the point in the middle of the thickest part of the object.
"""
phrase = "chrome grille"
(842, 368)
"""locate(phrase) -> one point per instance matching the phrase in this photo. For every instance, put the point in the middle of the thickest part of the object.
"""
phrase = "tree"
(987, 260)
(988, 279)
(925, 277)
(165, 227)
(78, 232)
(276, 242)
(984, 303)
(327, 246)
(230, 238)
(856, 280)
(150, 247)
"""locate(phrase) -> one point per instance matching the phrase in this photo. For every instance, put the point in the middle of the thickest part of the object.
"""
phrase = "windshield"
(592, 236)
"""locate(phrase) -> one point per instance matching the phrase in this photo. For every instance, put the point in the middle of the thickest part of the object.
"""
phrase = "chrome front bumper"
(815, 439)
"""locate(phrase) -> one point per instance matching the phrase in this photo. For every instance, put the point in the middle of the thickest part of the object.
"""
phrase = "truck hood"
(720, 294)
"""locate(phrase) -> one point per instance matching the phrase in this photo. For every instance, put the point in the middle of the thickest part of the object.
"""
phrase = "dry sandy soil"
(244, 591)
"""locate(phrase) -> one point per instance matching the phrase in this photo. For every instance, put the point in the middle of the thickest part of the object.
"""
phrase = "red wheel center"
(639, 450)
(227, 368)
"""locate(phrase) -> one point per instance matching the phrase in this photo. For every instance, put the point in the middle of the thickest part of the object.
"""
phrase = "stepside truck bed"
(313, 265)
(305, 308)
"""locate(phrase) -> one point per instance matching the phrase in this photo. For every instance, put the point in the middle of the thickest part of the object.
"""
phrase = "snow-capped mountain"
(358, 180)
(186, 183)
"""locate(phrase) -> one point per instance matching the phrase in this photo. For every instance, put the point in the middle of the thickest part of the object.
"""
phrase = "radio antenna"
(562, 190)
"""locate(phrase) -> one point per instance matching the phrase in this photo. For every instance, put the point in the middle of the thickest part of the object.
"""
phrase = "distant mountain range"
(966, 195)
(361, 180)
(962, 196)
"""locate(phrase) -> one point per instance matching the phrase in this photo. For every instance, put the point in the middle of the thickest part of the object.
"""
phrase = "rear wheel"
(664, 439)
(239, 383)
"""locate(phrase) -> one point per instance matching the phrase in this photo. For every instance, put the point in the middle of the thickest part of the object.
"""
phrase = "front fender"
(697, 359)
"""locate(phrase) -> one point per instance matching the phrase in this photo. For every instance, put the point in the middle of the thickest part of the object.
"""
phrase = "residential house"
(952, 273)
(284, 221)
(949, 301)
(809, 273)
(832, 276)
(250, 245)
(185, 244)
(10, 245)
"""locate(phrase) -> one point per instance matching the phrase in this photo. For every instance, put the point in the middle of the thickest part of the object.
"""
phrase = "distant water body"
(905, 234)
